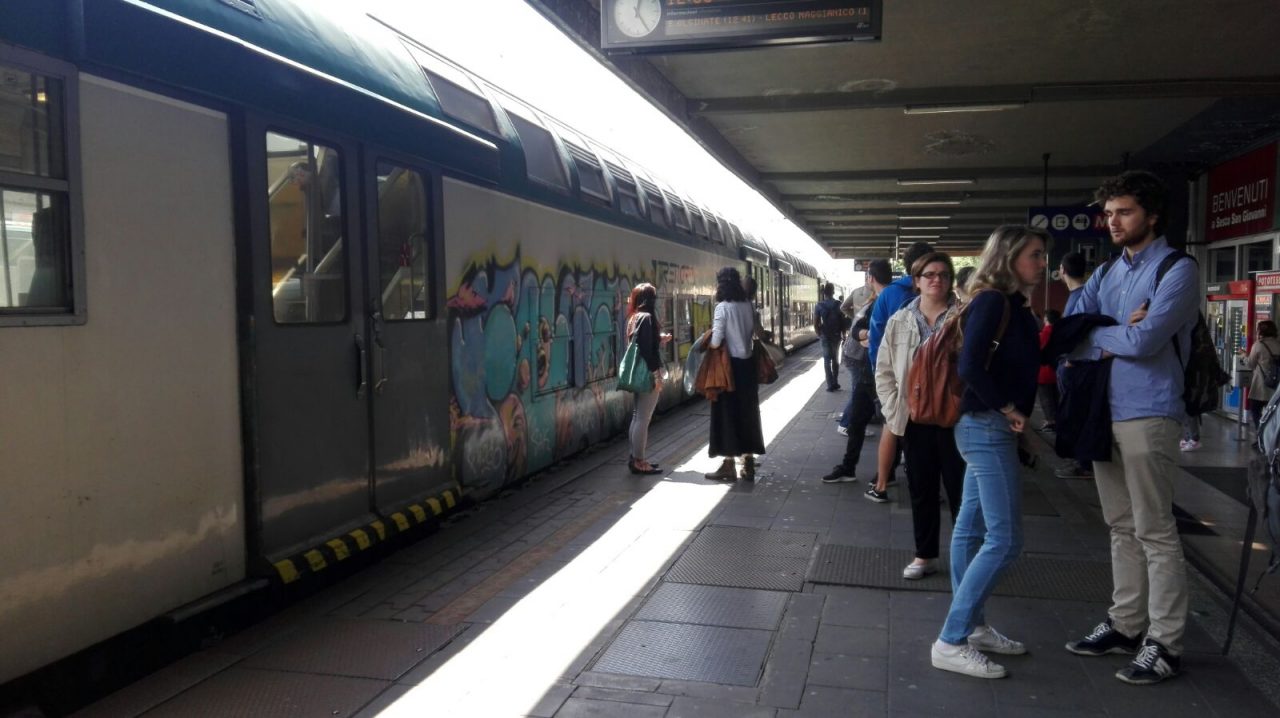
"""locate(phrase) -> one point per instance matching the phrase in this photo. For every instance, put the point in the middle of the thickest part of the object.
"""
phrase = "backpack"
(1270, 377)
(1203, 375)
(934, 388)
(832, 319)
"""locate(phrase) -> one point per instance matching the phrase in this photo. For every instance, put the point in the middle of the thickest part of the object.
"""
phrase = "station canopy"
(939, 129)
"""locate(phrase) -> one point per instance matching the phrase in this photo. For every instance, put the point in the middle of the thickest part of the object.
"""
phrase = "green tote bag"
(633, 373)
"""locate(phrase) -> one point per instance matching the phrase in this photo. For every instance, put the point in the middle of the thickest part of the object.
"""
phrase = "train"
(282, 284)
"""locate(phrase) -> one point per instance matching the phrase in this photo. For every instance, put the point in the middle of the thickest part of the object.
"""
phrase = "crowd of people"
(1116, 350)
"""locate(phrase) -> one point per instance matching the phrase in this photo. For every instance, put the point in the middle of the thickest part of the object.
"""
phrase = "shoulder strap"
(1106, 267)
(1167, 263)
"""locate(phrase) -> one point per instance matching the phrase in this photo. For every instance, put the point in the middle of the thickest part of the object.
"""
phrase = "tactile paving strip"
(745, 558)
(715, 606)
(1028, 577)
(712, 654)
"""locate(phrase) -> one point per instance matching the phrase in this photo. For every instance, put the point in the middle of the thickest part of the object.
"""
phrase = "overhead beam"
(894, 197)
(993, 95)
(895, 211)
(944, 173)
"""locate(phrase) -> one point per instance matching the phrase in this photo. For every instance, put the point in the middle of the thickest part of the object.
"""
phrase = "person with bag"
(645, 333)
(932, 460)
(735, 414)
(856, 351)
(1154, 297)
(999, 370)
(1264, 360)
(828, 322)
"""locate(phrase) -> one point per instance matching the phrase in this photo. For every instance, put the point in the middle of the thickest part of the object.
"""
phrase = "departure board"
(664, 26)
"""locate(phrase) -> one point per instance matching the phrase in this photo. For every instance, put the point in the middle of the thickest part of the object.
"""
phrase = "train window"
(713, 229)
(653, 197)
(460, 103)
(628, 198)
(542, 160)
(304, 198)
(699, 222)
(39, 257)
(403, 227)
(677, 213)
(590, 176)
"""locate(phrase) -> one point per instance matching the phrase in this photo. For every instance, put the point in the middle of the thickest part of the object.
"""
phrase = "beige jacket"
(901, 338)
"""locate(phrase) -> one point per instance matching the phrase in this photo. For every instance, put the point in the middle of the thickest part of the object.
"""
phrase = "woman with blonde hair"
(999, 369)
(933, 463)
(643, 329)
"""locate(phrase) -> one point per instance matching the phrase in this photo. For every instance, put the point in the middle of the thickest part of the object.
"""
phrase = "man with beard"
(1149, 350)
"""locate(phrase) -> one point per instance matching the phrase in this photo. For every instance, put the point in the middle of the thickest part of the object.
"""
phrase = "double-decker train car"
(280, 284)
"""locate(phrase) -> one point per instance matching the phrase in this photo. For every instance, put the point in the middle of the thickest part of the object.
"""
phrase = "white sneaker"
(964, 659)
(915, 571)
(1189, 445)
(986, 638)
(842, 430)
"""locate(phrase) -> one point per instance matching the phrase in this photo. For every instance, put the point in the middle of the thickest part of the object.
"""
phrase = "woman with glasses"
(932, 459)
(999, 372)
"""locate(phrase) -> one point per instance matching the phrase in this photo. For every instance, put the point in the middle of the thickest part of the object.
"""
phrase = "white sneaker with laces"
(841, 430)
(986, 638)
(915, 571)
(966, 660)
(1189, 445)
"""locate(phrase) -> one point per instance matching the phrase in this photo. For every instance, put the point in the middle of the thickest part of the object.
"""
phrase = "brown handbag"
(766, 370)
(934, 388)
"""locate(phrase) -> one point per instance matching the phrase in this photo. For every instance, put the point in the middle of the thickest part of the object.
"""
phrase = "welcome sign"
(1242, 196)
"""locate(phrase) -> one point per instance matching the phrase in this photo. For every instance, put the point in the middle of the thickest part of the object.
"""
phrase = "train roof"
(333, 64)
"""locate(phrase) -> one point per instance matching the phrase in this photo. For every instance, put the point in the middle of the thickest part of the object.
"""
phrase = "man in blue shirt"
(1150, 346)
(891, 299)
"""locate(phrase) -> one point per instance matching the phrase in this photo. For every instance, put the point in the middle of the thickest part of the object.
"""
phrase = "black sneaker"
(880, 497)
(1153, 664)
(1104, 639)
(839, 475)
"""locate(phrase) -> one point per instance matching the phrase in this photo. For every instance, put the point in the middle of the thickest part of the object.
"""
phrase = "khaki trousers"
(1147, 567)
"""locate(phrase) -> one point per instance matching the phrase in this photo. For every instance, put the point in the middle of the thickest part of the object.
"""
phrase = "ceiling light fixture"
(919, 236)
(924, 229)
(924, 217)
(928, 203)
(923, 182)
(945, 109)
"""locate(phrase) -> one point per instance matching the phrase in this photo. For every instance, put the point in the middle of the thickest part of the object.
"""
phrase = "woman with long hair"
(1261, 358)
(643, 329)
(735, 415)
(999, 372)
(932, 460)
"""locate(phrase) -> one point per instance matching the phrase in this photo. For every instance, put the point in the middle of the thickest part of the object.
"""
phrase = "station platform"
(593, 592)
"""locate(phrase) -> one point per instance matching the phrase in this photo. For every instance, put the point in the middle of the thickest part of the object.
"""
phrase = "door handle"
(362, 362)
(379, 354)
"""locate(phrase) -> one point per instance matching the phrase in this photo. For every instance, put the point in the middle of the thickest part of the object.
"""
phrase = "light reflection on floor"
(508, 668)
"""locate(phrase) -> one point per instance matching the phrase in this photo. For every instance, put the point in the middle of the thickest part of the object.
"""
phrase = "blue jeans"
(988, 532)
(831, 361)
(848, 407)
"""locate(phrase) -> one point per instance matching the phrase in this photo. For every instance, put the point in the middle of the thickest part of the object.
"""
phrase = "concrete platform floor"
(557, 599)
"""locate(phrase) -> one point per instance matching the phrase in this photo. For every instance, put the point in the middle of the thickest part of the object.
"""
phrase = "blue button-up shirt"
(1073, 298)
(1147, 374)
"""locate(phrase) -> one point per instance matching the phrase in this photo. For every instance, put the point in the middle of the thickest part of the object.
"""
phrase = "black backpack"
(832, 319)
(1203, 376)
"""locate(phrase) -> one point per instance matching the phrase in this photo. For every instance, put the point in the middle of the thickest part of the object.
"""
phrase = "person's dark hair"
(1073, 265)
(931, 258)
(1145, 188)
(749, 286)
(1051, 316)
(729, 286)
(881, 271)
(644, 297)
(1267, 329)
(914, 253)
(828, 290)
(962, 277)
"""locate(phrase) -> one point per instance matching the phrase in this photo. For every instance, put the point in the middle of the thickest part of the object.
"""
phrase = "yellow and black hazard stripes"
(340, 548)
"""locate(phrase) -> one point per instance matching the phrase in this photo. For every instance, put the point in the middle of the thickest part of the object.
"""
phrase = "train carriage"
(282, 284)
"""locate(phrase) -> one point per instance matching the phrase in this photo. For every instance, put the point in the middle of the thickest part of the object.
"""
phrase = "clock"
(637, 18)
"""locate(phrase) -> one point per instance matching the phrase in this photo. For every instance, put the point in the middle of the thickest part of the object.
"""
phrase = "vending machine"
(1229, 310)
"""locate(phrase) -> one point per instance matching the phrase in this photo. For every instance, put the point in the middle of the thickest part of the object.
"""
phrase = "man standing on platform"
(1150, 347)
(887, 304)
(828, 322)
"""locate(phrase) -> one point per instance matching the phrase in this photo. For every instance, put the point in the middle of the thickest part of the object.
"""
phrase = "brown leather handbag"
(934, 387)
(766, 370)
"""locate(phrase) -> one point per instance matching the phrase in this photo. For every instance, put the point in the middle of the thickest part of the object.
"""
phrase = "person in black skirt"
(735, 415)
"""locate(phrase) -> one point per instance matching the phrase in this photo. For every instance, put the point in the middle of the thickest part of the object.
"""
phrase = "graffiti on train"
(532, 357)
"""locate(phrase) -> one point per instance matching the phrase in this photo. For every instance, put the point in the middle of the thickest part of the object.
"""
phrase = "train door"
(307, 336)
(408, 340)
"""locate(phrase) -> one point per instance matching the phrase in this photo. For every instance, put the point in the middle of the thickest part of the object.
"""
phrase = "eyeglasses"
(941, 276)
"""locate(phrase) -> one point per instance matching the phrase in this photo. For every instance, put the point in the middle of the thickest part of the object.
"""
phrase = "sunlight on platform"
(532, 646)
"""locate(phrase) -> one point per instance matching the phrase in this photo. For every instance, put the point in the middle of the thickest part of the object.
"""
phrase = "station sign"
(664, 26)
(1242, 195)
(1075, 228)
(1266, 285)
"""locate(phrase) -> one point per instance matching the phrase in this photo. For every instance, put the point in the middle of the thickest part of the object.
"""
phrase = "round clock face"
(637, 18)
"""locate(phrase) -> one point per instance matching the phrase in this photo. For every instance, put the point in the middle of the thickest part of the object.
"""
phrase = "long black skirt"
(735, 415)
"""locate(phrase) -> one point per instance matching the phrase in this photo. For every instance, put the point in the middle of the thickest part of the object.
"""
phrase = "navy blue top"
(1011, 377)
